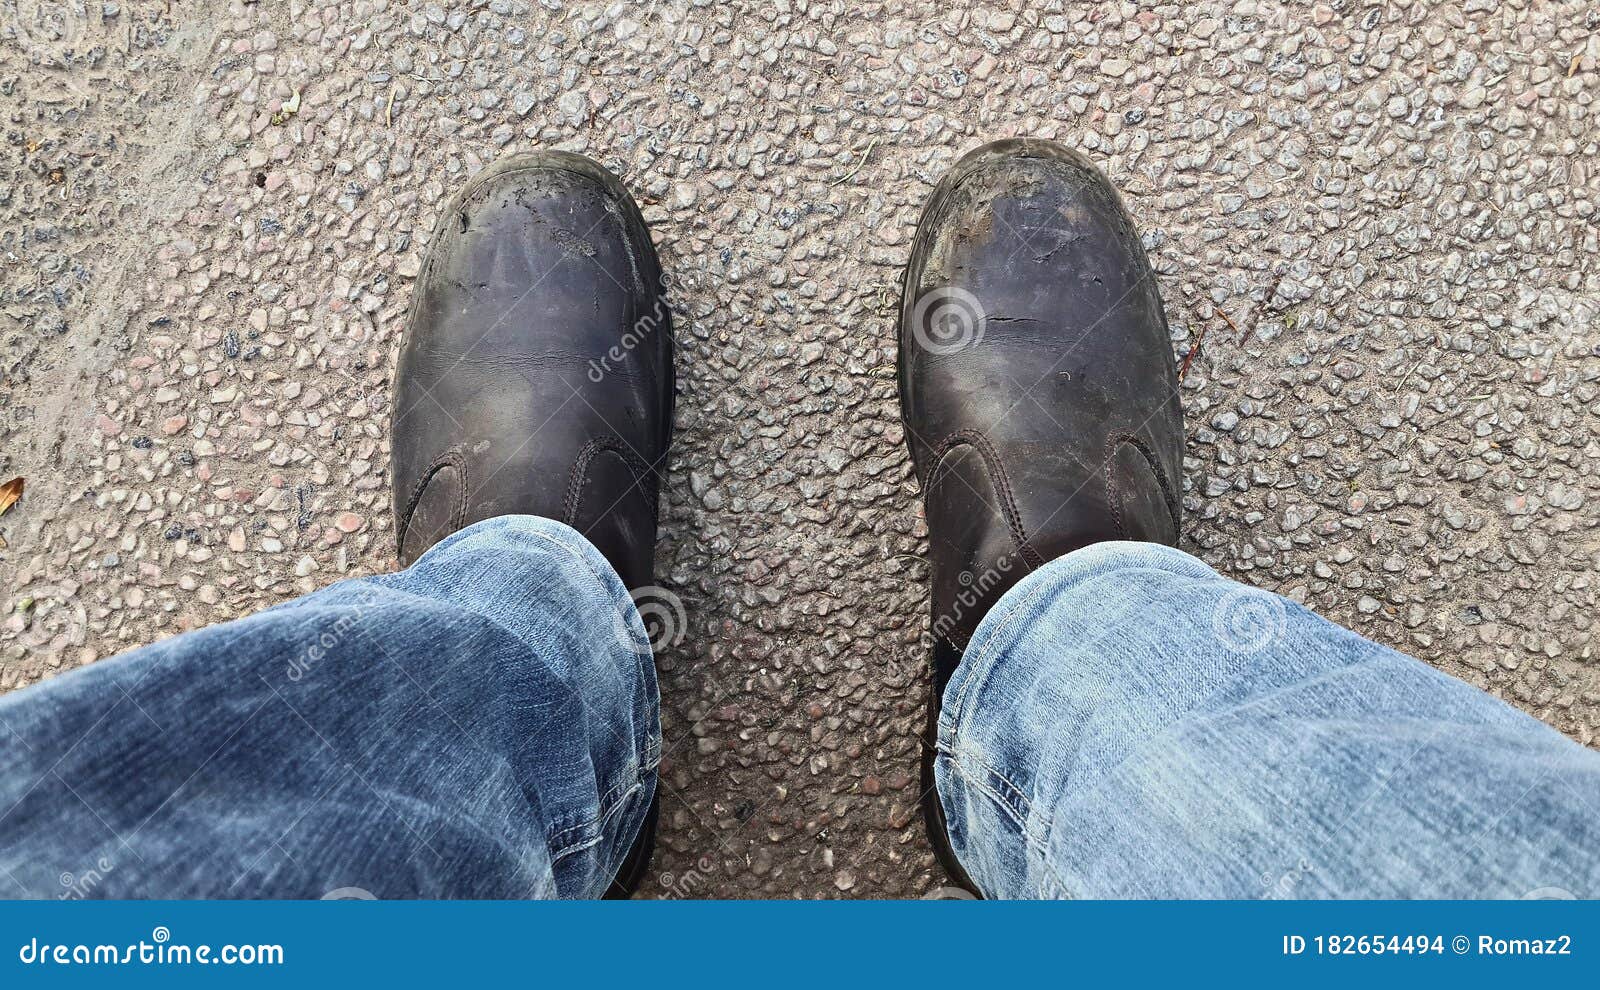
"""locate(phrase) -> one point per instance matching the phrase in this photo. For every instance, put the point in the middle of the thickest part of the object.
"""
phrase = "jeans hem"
(1026, 824)
(986, 649)
(593, 831)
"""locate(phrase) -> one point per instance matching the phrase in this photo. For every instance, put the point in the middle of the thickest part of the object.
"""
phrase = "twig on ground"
(846, 178)
(1194, 351)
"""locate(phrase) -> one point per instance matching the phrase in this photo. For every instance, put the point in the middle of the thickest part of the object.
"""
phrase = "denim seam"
(610, 798)
(1011, 785)
(591, 829)
(628, 783)
(651, 756)
(983, 662)
(646, 751)
(1015, 796)
(1036, 843)
(983, 787)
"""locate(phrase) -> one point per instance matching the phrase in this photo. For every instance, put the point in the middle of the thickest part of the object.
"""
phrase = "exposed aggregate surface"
(1378, 223)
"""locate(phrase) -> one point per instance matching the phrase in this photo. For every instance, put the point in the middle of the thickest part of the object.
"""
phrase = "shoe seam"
(580, 473)
(957, 708)
(1001, 481)
(1114, 494)
(450, 458)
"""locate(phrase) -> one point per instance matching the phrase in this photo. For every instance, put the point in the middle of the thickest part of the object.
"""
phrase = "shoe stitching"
(450, 458)
(1004, 621)
(1113, 493)
(960, 638)
(580, 473)
(1002, 483)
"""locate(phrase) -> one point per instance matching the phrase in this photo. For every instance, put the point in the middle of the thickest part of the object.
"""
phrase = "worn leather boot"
(536, 374)
(1037, 389)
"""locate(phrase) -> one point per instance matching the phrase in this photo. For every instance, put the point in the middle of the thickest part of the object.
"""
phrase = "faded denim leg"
(1126, 722)
(482, 724)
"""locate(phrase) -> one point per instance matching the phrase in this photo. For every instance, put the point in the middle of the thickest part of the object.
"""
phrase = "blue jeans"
(1126, 722)
(485, 724)
(474, 726)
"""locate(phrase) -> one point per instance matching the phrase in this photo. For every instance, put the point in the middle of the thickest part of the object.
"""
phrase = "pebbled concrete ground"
(1374, 227)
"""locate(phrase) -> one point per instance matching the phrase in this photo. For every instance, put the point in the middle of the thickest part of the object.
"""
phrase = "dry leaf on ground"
(9, 493)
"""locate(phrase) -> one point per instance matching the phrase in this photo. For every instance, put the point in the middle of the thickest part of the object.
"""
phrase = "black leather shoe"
(1037, 389)
(536, 374)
